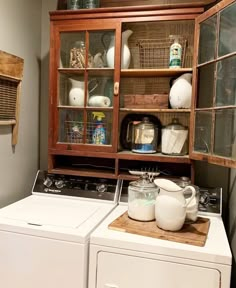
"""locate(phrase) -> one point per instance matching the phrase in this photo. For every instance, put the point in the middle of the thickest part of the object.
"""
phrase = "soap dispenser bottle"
(99, 133)
(175, 54)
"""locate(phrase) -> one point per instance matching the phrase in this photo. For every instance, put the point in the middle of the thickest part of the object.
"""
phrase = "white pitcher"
(125, 52)
(76, 94)
(181, 92)
(171, 205)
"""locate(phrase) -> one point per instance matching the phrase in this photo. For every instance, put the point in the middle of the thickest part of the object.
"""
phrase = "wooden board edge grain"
(124, 224)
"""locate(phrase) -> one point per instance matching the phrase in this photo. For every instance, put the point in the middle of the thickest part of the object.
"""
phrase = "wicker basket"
(154, 53)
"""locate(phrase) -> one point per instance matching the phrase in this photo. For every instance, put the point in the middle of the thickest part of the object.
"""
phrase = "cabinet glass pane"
(99, 43)
(207, 40)
(226, 82)
(99, 128)
(225, 138)
(227, 41)
(206, 86)
(203, 127)
(100, 89)
(71, 126)
(72, 53)
(71, 90)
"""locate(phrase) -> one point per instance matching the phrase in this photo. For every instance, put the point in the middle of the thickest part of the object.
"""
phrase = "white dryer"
(44, 238)
(124, 260)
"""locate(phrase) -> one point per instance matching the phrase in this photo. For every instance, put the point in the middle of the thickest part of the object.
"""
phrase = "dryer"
(123, 260)
(44, 238)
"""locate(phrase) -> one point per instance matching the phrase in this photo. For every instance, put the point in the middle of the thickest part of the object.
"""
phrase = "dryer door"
(130, 271)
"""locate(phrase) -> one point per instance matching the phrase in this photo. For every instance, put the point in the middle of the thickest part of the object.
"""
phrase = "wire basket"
(155, 53)
(81, 132)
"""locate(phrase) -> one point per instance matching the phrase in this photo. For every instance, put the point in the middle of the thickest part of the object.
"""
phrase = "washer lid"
(53, 215)
(50, 211)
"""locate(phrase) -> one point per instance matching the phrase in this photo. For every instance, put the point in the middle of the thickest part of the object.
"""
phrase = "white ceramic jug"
(181, 92)
(171, 205)
(125, 52)
(76, 94)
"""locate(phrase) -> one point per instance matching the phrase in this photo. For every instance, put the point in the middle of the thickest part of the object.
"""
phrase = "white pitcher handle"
(193, 190)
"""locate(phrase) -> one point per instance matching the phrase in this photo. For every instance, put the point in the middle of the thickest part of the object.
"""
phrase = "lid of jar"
(175, 125)
(145, 124)
(143, 182)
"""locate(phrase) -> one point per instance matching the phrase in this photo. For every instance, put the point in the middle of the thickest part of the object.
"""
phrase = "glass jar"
(91, 4)
(144, 137)
(192, 208)
(141, 199)
(174, 139)
(74, 4)
(78, 55)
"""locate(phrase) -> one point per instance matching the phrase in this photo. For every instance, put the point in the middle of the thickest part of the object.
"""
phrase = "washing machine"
(123, 260)
(44, 238)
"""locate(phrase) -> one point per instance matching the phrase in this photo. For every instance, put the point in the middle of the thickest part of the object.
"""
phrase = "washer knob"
(47, 182)
(59, 184)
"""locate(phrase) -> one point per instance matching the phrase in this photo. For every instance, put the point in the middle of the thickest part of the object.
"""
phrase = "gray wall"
(47, 5)
(20, 30)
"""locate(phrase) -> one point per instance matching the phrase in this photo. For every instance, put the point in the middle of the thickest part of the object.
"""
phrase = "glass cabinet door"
(86, 88)
(215, 104)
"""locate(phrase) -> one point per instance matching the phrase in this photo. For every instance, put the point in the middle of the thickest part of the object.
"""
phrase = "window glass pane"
(207, 40)
(225, 133)
(71, 126)
(72, 54)
(203, 127)
(226, 82)
(227, 41)
(205, 86)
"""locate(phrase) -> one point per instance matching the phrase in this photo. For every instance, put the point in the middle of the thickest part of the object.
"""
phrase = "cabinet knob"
(116, 88)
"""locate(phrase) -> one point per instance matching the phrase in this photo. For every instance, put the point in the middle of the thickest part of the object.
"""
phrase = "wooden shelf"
(154, 72)
(83, 172)
(155, 110)
(155, 157)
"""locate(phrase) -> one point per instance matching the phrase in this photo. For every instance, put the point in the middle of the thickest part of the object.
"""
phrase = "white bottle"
(175, 55)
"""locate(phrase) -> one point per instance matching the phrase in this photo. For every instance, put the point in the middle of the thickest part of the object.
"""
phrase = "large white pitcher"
(171, 205)
(125, 52)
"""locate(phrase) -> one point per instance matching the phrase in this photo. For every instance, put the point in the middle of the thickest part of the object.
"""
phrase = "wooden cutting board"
(193, 234)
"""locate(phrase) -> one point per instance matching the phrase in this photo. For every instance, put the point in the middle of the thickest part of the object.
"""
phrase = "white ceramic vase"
(125, 52)
(181, 92)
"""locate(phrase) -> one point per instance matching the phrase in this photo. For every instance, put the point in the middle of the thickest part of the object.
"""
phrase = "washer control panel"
(76, 186)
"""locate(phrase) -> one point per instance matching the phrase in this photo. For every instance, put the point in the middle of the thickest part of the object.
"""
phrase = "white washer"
(44, 238)
(125, 260)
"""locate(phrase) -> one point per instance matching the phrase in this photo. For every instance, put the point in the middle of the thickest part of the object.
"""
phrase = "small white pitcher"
(171, 205)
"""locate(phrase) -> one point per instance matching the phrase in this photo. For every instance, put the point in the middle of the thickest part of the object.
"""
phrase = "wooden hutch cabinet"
(79, 47)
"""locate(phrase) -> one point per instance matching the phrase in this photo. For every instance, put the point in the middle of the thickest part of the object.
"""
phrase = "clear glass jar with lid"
(141, 199)
(144, 137)
(174, 139)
